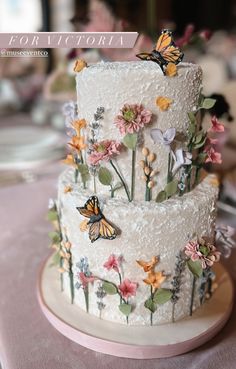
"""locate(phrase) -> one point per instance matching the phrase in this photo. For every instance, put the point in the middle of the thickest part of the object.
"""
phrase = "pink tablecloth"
(27, 340)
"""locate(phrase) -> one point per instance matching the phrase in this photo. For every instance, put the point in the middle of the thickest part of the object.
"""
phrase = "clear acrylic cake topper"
(166, 54)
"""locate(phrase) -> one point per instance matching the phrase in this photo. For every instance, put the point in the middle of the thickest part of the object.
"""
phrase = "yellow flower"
(69, 160)
(171, 70)
(148, 265)
(155, 279)
(67, 189)
(215, 181)
(79, 65)
(78, 125)
(77, 143)
(84, 225)
(163, 102)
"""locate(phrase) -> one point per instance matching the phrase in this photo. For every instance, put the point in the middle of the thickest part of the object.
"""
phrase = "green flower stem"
(197, 176)
(94, 184)
(71, 276)
(86, 296)
(169, 173)
(121, 179)
(173, 313)
(192, 296)
(133, 173)
(76, 175)
(151, 316)
(61, 258)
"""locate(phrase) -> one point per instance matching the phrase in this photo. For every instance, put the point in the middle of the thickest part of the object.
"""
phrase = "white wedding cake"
(135, 215)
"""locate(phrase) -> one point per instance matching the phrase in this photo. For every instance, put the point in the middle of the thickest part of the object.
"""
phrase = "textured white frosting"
(111, 85)
(148, 229)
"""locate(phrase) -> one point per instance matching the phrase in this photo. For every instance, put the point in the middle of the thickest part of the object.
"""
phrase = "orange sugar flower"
(155, 279)
(148, 265)
(79, 65)
(163, 103)
(78, 125)
(69, 160)
(67, 189)
(77, 143)
(171, 70)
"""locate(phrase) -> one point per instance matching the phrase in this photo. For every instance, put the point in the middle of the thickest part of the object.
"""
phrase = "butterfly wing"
(164, 41)
(147, 56)
(106, 230)
(90, 208)
(94, 233)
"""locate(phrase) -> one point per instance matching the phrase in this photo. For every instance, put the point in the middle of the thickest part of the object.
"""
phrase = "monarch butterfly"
(99, 227)
(165, 51)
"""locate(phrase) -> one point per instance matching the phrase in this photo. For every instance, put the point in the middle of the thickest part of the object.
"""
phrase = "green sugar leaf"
(125, 309)
(208, 103)
(109, 288)
(52, 215)
(161, 196)
(55, 237)
(150, 305)
(84, 172)
(105, 176)
(162, 295)
(195, 267)
(171, 188)
(130, 140)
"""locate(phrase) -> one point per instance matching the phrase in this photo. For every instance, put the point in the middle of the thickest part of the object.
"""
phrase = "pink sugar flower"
(206, 253)
(132, 118)
(216, 125)
(112, 263)
(213, 156)
(127, 288)
(85, 280)
(104, 151)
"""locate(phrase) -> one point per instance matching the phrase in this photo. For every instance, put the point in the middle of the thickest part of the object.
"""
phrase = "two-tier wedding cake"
(135, 215)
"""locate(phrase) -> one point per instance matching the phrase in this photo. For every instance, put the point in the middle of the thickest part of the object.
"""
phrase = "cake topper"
(165, 52)
(99, 227)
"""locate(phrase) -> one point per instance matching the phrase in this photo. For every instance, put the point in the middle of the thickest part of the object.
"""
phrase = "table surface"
(27, 340)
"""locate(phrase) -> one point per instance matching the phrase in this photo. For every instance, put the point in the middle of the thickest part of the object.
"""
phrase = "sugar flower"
(181, 158)
(216, 125)
(112, 263)
(165, 138)
(69, 160)
(163, 103)
(77, 143)
(69, 112)
(148, 265)
(212, 156)
(127, 288)
(77, 125)
(203, 251)
(79, 65)
(85, 280)
(104, 151)
(132, 118)
(155, 279)
(171, 70)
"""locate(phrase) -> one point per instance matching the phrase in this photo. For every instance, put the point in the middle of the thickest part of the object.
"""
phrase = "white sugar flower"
(181, 158)
(165, 138)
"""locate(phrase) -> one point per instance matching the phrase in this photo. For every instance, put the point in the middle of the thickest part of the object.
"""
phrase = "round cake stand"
(134, 341)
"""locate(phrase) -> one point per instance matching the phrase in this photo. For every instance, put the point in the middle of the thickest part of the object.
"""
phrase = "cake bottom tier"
(106, 280)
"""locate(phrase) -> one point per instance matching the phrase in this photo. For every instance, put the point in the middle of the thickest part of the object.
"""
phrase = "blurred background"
(33, 90)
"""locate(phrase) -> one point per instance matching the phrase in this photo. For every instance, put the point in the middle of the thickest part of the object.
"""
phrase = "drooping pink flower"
(200, 250)
(85, 280)
(212, 156)
(216, 125)
(132, 118)
(211, 141)
(104, 151)
(186, 38)
(205, 34)
(127, 288)
(112, 263)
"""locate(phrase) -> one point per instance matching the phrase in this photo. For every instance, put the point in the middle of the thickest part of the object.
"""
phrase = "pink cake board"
(134, 341)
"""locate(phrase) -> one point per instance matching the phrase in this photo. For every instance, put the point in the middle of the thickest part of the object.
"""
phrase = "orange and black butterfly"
(99, 227)
(165, 51)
